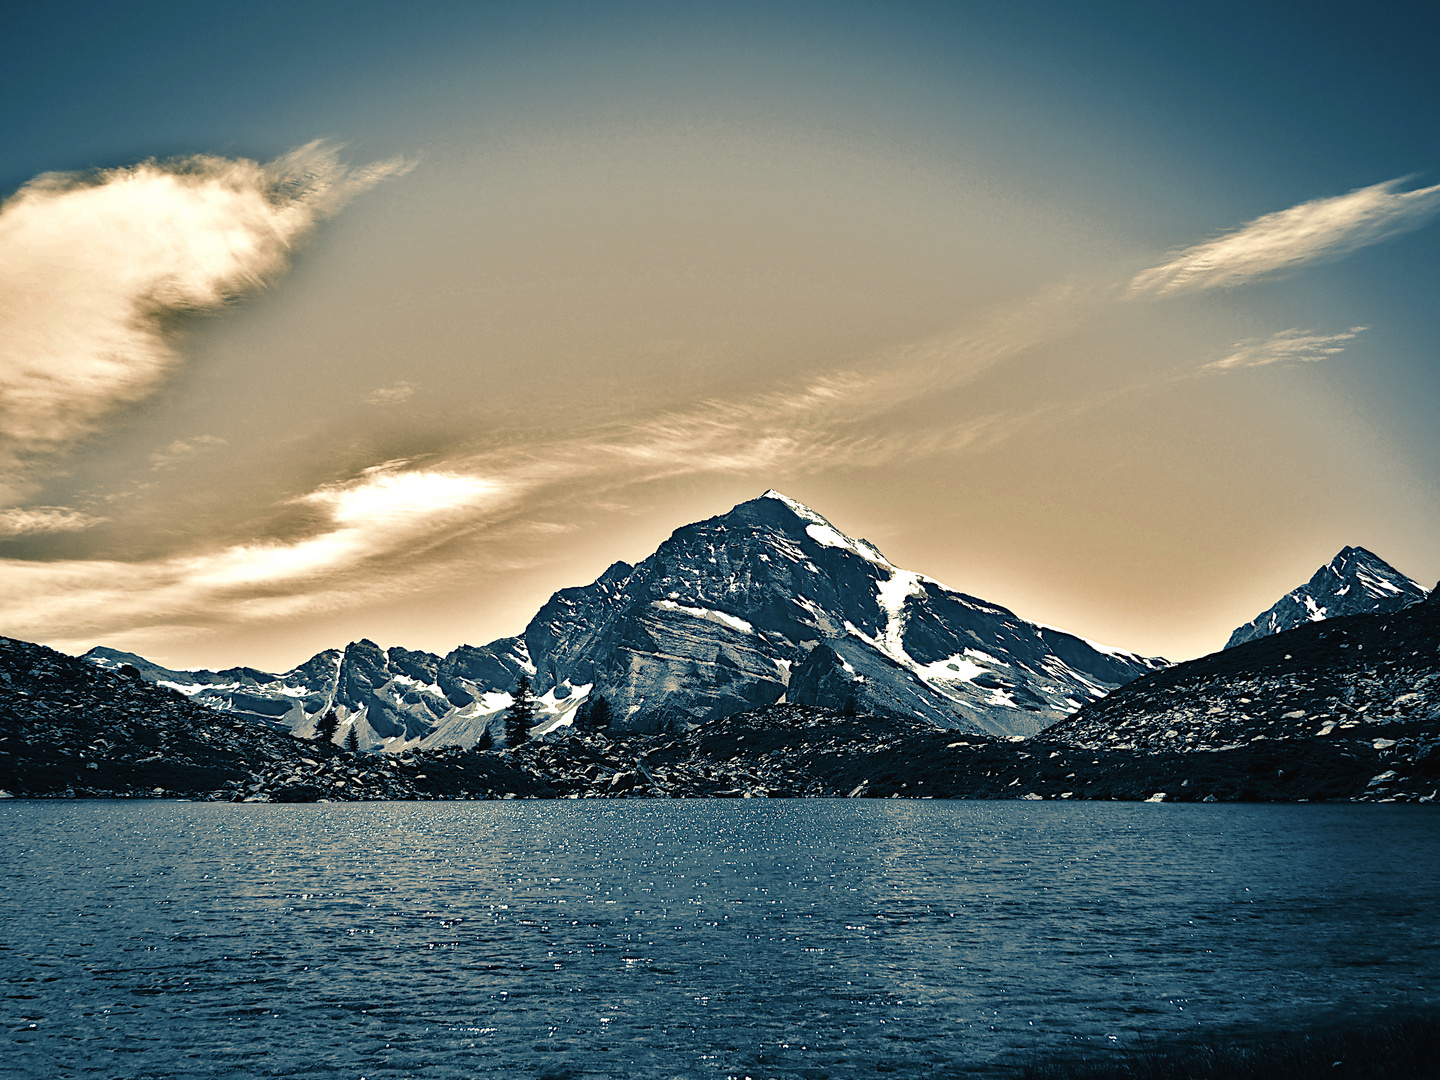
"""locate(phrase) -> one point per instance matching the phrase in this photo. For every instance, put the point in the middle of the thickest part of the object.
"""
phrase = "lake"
(658, 939)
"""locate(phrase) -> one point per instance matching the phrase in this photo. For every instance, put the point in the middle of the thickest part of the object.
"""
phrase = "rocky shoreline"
(1344, 710)
(795, 752)
(783, 751)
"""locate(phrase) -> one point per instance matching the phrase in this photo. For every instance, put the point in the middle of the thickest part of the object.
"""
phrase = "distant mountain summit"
(768, 602)
(771, 600)
(1355, 582)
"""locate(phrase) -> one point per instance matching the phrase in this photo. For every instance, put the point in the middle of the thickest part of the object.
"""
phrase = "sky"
(330, 321)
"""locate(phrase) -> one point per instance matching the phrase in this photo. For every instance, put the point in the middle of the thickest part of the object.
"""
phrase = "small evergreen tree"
(485, 741)
(352, 741)
(601, 715)
(593, 715)
(328, 725)
(520, 715)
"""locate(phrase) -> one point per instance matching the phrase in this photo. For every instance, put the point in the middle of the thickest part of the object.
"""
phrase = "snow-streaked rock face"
(1355, 582)
(393, 699)
(769, 601)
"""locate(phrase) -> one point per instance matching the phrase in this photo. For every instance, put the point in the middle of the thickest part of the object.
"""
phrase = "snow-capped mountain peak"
(771, 600)
(822, 532)
(1355, 582)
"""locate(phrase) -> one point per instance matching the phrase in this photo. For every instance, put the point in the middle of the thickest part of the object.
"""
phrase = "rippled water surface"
(821, 938)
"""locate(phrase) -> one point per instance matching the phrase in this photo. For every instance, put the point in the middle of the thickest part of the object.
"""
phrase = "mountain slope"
(1355, 582)
(1366, 684)
(768, 601)
(67, 728)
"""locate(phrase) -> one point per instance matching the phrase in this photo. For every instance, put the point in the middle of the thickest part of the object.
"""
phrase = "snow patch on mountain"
(733, 621)
(892, 595)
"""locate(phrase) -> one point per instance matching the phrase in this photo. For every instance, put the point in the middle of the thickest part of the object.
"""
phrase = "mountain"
(68, 729)
(392, 698)
(772, 600)
(71, 730)
(767, 602)
(1360, 687)
(1355, 582)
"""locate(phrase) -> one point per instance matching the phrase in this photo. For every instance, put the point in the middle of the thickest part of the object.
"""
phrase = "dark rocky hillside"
(70, 728)
(1361, 688)
(794, 751)
(797, 751)
(785, 751)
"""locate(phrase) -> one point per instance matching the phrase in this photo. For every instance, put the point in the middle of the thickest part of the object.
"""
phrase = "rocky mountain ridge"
(68, 729)
(1363, 684)
(768, 602)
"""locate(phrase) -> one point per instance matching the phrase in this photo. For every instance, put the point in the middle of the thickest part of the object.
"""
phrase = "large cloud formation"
(380, 520)
(94, 266)
(1312, 231)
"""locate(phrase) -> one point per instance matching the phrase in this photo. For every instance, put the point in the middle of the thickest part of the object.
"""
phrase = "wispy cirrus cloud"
(1320, 229)
(385, 511)
(1287, 346)
(180, 449)
(842, 418)
(94, 266)
(44, 519)
(395, 394)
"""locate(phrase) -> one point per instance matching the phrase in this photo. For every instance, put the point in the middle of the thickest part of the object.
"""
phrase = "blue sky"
(1249, 95)
(619, 235)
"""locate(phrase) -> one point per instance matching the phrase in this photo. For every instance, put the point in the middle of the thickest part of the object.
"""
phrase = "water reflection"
(659, 939)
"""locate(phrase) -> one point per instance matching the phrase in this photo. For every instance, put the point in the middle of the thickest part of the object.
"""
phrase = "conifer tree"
(328, 725)
(601, 715)
(520, 715)
(485, 741)
(593, 714)
(352, 741)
